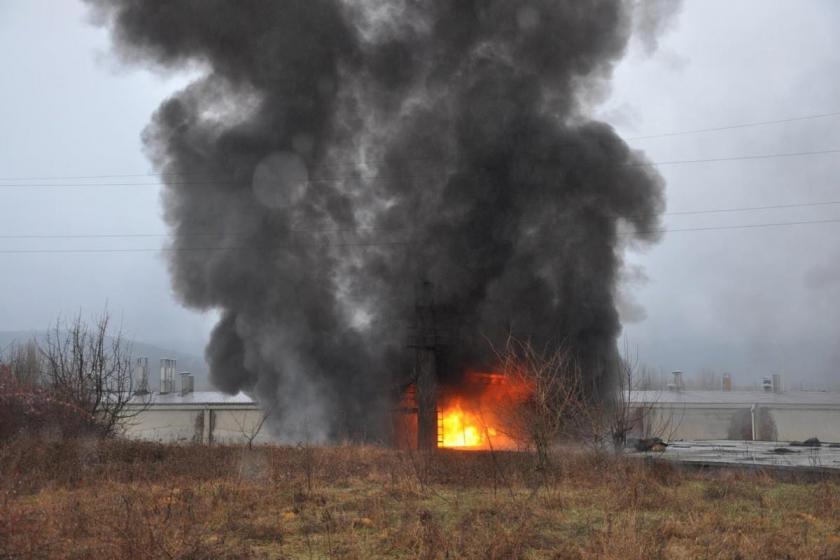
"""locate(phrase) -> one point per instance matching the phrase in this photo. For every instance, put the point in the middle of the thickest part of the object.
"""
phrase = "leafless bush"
(21, 405)
(78, 382)
(25, 404)
(554, 396)
(89, 368)
(24, 362)
(612, 421)
(623, 415)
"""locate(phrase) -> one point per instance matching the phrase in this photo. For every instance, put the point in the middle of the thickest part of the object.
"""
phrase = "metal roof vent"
(141, 376)
(167, 375)
(187, 383)
(678, 384)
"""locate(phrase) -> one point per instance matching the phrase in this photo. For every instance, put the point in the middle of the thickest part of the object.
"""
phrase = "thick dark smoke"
(336, 153)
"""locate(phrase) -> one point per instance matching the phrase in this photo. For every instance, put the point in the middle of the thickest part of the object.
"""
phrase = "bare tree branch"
(90, 368)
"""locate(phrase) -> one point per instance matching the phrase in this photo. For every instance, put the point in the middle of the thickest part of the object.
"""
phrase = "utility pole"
(425, 367)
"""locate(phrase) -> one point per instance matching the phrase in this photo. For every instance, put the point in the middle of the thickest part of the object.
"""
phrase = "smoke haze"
(334, 154)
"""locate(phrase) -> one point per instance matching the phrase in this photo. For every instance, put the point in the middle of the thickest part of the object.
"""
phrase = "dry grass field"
(112, 499)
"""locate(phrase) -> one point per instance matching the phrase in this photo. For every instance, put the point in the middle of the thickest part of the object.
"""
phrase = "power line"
(752, 208)
(361, 229)
(385, 243)
(742, 226)
(328, 180)
(74, 177)
(209, 248)
(734, 126)
(641, 137)
(191, 234)
(733, 158)
(134, 184)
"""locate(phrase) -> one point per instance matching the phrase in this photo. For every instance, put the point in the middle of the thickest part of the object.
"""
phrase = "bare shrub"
(24, 362)
(555, 393)
(89, 368)
(611, 422)
(78, 382)
(26, 406)
(623, 416)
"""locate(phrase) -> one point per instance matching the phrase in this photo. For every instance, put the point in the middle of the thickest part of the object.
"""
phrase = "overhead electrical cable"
(219, 233)
(735, 126)
(208, 248)
(328, 180)
(361, 229)
(383, 243)
(753, 208)
(738, 226)
(640, 137)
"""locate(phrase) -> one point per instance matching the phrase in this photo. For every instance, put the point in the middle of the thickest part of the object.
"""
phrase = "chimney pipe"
(678, 381)
(141, 376)
(186, 383)
(167, 375)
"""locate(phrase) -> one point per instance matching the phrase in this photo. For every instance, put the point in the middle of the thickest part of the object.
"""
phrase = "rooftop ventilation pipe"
(186, 383)
(677, 384)
(141, 376)
(777, 383)
(167, 375)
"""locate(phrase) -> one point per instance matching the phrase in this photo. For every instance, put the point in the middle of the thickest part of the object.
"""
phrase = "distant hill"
(185, 361)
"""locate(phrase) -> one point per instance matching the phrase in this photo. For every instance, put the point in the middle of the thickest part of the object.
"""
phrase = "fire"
(481, 415)
(462, 429)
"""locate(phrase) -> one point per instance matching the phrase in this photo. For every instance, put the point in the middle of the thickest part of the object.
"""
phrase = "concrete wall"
(673, 423)
(210, 424)
(237, 426)
(735, 422)
(236, 423)
(792, 424)
(167, 425)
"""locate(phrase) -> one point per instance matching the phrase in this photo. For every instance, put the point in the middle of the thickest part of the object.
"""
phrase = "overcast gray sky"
(750, 301)
(67, 108)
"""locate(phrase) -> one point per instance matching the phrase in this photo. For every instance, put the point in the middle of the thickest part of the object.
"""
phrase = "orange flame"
(481, 417)
(462, 429)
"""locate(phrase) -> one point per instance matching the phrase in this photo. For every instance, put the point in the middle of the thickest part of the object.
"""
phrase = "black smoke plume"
(333, 154)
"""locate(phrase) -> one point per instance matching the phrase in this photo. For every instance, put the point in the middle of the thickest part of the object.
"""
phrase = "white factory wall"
(799, 425)
(196, 417)
(699, 415)
(209, 424)
(237, 426)
(674, 423)
(166, 425)
(783, 417)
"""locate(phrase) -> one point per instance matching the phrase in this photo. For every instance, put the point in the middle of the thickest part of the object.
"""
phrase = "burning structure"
(479, 414)
(332, 154)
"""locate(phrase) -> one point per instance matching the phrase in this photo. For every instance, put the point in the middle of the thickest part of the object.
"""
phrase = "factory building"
(182, 415)
(177, 413)
(765, 415)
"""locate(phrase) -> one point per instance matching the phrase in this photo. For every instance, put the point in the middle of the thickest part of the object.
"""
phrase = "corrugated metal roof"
(811, 398)
(195, 398)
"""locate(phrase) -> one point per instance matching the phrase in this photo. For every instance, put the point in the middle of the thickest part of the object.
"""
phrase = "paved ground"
(753, 453)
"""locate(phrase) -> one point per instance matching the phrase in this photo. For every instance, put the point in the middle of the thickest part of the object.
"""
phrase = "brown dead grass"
(112, 499)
